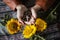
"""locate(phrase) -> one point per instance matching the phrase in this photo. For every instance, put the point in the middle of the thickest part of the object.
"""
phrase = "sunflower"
(13, 26)
(29, 31)
(40, 24)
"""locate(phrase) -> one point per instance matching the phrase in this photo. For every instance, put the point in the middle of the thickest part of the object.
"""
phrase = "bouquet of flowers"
(29, 31)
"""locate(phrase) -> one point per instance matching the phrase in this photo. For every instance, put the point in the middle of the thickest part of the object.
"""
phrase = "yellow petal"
(13, 26)
(29, 31)
(40, 24)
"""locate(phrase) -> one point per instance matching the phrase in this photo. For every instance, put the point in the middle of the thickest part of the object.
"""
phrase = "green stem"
(53, 10)
(39, 37)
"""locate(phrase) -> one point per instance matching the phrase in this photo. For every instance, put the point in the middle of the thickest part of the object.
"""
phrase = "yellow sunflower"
(40, 24)
(13, 26)
(29, 31)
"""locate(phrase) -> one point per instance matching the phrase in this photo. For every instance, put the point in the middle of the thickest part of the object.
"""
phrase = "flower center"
(41, 24)
(14, 26)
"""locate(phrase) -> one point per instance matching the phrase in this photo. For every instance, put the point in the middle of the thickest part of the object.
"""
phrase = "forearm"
(12, 3)
(45, 4)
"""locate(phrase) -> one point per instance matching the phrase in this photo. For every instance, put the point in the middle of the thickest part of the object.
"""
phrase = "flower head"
(29, 31)
(40, 24)
(13, 26)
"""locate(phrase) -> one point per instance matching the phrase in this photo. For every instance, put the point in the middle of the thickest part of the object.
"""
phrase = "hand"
(20, 11)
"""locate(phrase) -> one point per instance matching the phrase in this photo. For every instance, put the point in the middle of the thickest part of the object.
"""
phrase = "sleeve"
(45, 4)
(12, 3)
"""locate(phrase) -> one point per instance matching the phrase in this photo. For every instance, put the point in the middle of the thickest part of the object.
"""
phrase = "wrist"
(36, 7)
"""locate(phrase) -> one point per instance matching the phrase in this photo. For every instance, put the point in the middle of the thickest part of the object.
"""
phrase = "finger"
(32, 20)
(34, 16)
(28, 23)
(21, 21)
(33, 12)
(19, 14)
